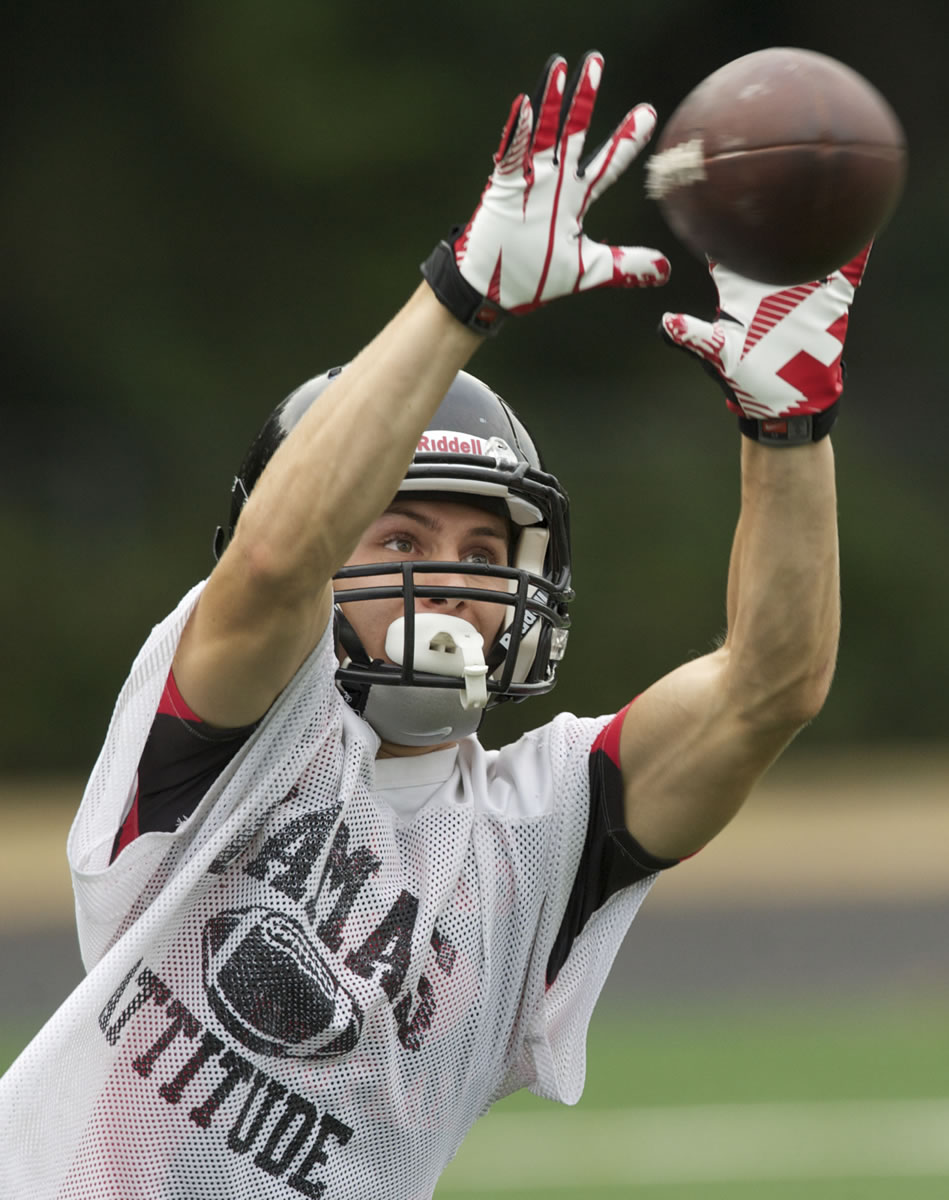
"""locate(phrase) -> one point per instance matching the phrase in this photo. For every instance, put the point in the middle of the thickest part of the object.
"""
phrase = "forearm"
(695, 743)
(344, 461)
(270, 595)
(783, 584)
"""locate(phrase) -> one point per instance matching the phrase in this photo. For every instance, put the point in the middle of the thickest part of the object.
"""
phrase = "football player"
(325, 928)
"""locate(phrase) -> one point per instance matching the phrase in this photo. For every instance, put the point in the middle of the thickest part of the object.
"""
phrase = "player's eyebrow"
(432, 524)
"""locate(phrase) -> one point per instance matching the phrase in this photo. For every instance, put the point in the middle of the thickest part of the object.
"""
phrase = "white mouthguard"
(445, 645)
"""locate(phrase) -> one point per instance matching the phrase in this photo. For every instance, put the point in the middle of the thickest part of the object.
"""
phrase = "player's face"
(437, 531)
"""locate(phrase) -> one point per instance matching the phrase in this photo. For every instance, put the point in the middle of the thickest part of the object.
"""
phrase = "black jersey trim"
(611, 859)
(182, 757)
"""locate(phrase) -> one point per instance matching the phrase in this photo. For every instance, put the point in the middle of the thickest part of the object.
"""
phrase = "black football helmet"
(478, 451)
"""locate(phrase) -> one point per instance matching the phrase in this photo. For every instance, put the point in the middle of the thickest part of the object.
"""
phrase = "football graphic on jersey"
(271, 989)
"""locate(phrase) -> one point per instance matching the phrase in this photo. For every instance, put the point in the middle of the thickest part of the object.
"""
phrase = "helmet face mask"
(477, 452)
(517, 667)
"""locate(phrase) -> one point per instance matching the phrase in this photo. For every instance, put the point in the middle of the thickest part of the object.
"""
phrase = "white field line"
(590, 1148)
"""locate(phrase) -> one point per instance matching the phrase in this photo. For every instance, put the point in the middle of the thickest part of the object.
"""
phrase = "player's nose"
(443, 579)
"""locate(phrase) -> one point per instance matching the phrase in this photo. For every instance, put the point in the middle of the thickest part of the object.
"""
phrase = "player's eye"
(480, 557)
(400, 543)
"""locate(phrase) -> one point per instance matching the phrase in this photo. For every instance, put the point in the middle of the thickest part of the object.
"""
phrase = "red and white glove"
(524, 245)
(776, 353)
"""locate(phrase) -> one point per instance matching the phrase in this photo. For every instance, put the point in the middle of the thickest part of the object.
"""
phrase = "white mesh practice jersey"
(320, 980)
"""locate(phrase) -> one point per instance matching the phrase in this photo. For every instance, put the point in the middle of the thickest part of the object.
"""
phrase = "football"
(781, 165)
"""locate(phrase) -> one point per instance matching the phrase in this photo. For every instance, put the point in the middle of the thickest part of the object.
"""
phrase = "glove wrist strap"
(465, 303)
(798, 430)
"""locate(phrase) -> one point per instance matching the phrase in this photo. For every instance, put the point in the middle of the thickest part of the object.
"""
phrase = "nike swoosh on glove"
(524, 245)
(777, 353)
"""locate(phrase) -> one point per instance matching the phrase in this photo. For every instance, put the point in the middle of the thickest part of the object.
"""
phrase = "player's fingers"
(547, 103)
(515, 137)
(607, 163)
(621, 266)
(640, 266)
(854, 270)
(702, 338)
(578, 103)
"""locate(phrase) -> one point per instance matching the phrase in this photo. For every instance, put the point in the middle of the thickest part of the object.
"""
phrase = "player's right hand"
(524, 245)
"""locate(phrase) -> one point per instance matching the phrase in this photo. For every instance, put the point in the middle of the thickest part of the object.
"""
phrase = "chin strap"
(355, 695)
(348, 638)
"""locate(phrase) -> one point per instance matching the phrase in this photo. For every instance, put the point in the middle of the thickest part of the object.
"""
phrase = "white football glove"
(524, 245)
(775, 352)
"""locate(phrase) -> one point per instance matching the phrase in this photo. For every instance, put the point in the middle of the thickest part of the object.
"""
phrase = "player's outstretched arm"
(268, 599)
(694, 744)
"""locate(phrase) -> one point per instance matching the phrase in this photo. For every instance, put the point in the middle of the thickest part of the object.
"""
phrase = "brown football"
(781, 165)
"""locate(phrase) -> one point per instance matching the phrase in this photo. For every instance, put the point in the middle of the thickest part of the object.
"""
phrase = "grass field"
(820, 1105)
(834, 1105)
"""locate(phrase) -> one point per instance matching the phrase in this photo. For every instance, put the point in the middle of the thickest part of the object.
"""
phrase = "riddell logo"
(448, 441)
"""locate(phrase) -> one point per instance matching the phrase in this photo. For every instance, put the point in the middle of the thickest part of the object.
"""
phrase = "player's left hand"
(775, 351)
(524, 245)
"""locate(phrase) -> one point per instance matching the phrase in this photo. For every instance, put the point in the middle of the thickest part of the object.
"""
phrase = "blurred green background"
(205, 203)
(202, 204)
